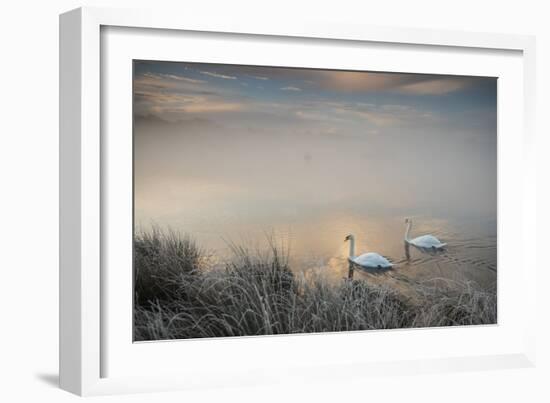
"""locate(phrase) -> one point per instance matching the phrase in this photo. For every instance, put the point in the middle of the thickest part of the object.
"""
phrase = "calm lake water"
(310, 191)
(317, 246)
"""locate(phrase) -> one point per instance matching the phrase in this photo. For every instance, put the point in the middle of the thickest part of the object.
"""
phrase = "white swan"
(367, 260)
(424, 241)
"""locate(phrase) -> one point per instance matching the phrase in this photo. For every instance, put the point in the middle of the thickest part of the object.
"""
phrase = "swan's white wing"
(371, 260)
(427, 241)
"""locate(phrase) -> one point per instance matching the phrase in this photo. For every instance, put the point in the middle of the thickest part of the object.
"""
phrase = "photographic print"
(275, 200)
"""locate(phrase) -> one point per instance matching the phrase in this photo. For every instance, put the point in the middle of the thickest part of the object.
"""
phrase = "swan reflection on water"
(428, 251)
(423, 241)
(370, 261)
(428, 244)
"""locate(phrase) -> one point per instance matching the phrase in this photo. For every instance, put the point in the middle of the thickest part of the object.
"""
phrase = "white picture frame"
(96, 355)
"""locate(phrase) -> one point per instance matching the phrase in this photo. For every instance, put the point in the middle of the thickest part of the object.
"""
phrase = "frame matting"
(88, 335)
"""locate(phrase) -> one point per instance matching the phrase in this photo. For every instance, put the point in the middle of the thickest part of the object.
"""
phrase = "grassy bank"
(178, 296)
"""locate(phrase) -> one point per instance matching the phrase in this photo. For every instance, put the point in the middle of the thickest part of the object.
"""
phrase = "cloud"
(351, 81)
(225, 77)
(290, 88)
(433, 87)
(344, 113)
(260, 78)
(173, 97)
(172, 106)
(173, 77)
(203, 106)
(181, 78)
(413, 84)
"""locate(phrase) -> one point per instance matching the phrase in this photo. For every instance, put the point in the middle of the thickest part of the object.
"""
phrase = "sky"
(218, 147)
(317, 99)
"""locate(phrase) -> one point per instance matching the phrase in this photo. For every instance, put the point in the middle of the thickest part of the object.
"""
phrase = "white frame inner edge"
(96, 353)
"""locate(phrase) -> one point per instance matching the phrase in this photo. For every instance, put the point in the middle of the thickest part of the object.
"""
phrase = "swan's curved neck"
(351, 246)
(408, 230)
